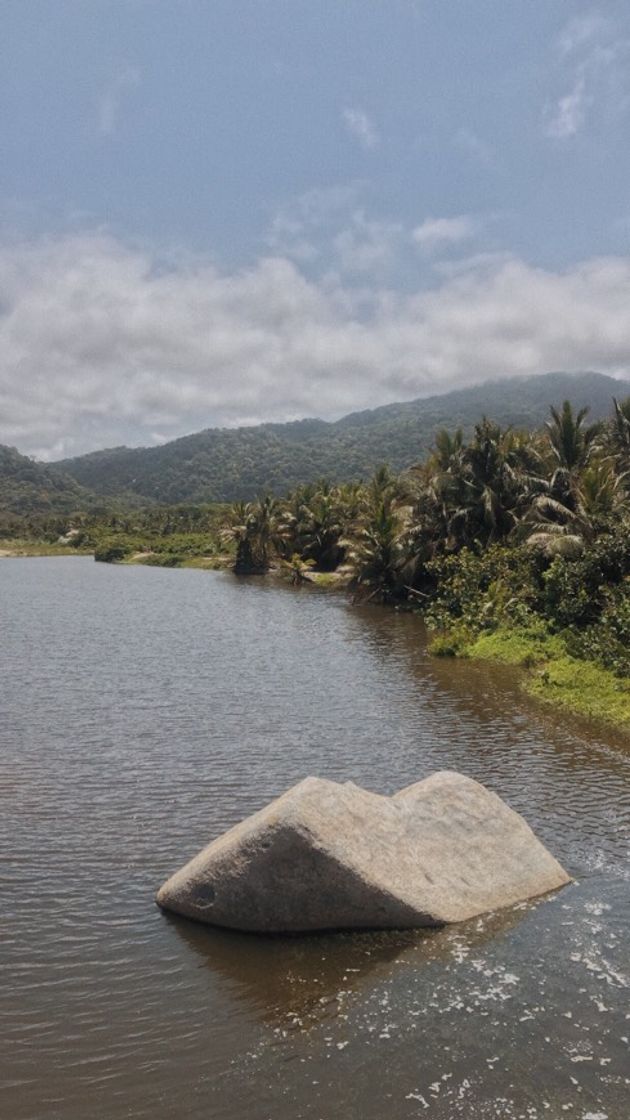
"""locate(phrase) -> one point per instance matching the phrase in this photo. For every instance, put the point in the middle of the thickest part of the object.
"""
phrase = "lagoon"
(144, 711)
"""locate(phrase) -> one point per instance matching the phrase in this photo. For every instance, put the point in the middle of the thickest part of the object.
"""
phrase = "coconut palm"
(323, 529)
(254, 528)
(375, 554)
(617, 436)
(571, 442)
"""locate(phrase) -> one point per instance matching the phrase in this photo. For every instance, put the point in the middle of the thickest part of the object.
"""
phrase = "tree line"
(509, 526)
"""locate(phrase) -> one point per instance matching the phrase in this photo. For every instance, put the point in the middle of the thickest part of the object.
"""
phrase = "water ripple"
(143, 712)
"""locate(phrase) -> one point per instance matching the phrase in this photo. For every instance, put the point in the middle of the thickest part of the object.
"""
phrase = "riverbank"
(171, 560)
(10, 548)
(222, 563)
(550, 672)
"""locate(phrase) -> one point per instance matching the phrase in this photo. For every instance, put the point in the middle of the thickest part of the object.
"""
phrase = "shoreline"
(549, 672)
(26, 549)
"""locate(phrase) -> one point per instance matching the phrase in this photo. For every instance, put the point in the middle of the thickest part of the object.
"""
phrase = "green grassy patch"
(327, 579)
(515, 647)
(552, 674)
(176, 560)
(23, 547)
(584, 687)
(208, 563)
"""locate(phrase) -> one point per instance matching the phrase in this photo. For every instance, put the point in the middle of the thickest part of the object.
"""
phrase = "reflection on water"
(143, 712)
(301, 977)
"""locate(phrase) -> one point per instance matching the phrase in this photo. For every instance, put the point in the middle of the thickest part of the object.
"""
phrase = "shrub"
(481, 591)
(162, 560)
(112, 552)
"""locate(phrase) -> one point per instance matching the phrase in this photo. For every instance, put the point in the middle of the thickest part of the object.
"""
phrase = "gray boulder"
(331, 856)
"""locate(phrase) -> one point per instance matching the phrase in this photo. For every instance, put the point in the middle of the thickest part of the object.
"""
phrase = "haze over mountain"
(238, 463)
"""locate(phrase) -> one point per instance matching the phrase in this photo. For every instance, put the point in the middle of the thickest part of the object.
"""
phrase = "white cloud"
(361, 127)
(328, 231)
(366, 245)
(436, 232)
(593, 59)
(581, 30)
(100, 346)
(570, 112)
(297, 227)
(111, 99)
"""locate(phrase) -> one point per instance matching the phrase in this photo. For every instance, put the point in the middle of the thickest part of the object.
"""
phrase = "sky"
(222, 212)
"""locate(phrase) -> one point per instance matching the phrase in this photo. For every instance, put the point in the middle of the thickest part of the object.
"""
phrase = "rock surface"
(331, 856)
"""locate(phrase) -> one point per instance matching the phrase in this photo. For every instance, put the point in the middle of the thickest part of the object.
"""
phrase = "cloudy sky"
(216, 212)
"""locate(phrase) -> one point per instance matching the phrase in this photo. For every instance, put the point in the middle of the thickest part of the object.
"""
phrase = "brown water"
(144, 711)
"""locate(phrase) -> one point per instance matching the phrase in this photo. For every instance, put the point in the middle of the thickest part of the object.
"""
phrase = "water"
(143, 712)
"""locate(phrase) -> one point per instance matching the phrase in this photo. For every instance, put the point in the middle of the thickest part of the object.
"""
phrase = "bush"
(162, 560)
(608, 640)
(479, 592)
(578, 592)
(112, 552)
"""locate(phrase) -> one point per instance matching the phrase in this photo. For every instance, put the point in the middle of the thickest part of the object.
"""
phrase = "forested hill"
(230, 464)
(27, 487)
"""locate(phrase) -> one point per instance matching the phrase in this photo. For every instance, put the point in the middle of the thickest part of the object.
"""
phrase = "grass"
(177, 560)
(327, 579)
(21, 546)
(586, 688)
(552, 674)
(516, 647)
(208, 563)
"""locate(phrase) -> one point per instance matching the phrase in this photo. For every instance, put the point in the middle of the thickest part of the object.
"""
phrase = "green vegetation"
(29, 489)
(27, 546)
(164, 536)
(160, 536)
(554, 676)
(239, 464)
(514, 544)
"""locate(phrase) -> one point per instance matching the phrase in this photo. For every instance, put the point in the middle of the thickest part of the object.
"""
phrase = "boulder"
(333, 856)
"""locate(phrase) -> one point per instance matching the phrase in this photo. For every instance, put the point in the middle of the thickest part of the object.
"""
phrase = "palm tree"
(254, 528)
(496, 475)
(448, 449)
(376, 555)
(602, 493)
(554, 528)
(617, 436)
(323, 530)
(564, 527)
(312, 522)
(571, 442)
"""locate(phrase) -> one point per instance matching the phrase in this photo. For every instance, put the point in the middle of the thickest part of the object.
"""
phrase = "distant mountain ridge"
(28, 487)
(228, 464)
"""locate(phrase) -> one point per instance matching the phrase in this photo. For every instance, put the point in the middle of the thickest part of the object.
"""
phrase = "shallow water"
(144, 711)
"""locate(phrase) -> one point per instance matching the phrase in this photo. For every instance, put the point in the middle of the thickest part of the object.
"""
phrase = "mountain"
(223, 464)
(27, 487)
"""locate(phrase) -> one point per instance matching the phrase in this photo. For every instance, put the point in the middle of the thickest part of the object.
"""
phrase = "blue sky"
(224, 212)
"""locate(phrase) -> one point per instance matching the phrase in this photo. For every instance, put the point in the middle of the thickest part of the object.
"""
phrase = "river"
(145, 710)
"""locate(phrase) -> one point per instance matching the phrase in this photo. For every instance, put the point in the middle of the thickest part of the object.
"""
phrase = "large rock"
(330, 856)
